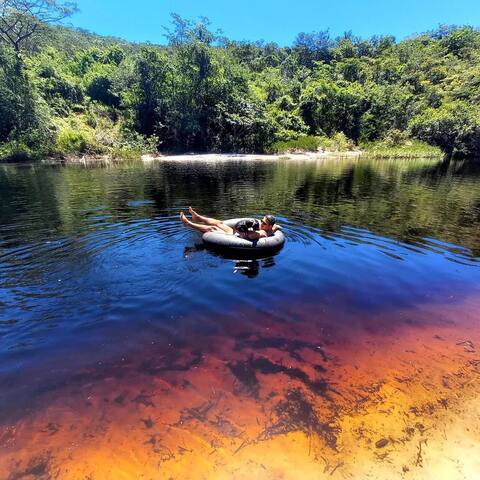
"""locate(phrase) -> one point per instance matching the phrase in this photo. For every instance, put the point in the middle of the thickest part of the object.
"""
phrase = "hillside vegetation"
(69, 92)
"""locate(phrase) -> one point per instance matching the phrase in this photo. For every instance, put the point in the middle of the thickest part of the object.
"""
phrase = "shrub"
(126, 153)
(337, 143)
(454, 127)
(308, 143)
(99, 89)
(395, 137)
(16, 152)
(73, 141)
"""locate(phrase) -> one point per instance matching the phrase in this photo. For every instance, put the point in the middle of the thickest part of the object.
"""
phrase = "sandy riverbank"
(209, 157)
(201, 157)
(220, 157)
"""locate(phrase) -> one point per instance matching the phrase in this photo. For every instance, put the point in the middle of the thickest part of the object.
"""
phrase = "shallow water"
(129, 351)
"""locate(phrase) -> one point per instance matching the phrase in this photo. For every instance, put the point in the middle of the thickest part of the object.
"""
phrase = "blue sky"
(275, 20)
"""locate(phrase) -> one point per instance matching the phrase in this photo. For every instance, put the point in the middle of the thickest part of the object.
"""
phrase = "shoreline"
(221, 157)
(252, 156)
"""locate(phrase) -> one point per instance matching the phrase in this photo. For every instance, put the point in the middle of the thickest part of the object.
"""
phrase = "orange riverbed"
(310, 394)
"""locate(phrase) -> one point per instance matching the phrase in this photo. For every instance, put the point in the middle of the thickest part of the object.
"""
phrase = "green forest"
(65, 91)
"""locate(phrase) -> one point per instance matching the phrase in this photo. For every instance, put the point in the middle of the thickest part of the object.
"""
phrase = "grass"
(406, 149)
(309, 143)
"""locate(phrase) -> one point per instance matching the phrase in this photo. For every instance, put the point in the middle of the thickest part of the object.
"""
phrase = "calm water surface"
(96, 269)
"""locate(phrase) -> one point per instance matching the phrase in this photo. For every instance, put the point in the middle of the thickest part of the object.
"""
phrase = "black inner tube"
(232, 242)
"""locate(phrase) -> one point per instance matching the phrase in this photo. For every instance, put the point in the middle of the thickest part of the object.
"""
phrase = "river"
(130, 351)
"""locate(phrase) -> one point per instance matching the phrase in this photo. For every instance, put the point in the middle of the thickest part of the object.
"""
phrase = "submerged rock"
(383, 442)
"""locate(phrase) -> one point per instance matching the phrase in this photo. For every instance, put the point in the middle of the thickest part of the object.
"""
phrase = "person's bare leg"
(197, 226)
(210, 221)
(196, 217)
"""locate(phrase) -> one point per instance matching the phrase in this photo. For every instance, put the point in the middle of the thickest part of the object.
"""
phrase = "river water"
(128, 350)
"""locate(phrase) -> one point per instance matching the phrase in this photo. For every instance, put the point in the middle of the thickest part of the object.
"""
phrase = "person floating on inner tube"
(250, 229)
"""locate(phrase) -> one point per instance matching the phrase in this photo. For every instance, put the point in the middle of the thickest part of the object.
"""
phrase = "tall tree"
(20, 20)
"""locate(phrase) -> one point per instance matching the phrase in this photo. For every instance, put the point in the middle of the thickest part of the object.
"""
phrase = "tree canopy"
(204, 92)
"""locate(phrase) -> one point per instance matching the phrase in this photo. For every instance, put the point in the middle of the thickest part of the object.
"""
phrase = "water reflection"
(249, 268)
(244, 263)
(403, 199)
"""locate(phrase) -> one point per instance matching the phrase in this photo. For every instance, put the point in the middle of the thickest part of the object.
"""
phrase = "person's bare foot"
(194, 214)
(183, 218)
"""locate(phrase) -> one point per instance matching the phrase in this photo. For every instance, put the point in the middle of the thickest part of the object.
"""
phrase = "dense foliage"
(70, 92)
